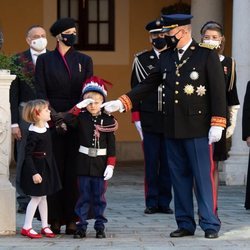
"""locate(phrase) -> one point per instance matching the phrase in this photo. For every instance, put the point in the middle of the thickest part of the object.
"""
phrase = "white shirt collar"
(221, 57)
(36, 129)
(184, 48)
(35, 54)
(157, 53)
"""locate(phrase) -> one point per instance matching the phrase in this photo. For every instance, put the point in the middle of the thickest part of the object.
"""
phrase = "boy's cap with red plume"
(96, 84)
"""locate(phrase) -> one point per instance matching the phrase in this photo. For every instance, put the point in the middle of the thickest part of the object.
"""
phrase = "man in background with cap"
(194, 117)
(59, 76)
(21, 91)
(148, 119)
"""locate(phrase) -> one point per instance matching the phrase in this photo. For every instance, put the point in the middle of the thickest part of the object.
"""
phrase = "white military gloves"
(214, 134)
(139, 129)
(113, 106)
(84, 103)
(108, 173)
(233, 110)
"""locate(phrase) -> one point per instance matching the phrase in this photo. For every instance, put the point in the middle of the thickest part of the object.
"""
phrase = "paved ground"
(130, 229)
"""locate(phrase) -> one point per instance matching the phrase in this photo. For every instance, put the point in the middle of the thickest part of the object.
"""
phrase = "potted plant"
(14, 65)
(7, 64)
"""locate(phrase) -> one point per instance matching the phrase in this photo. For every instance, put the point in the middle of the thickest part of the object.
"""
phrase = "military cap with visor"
(154, 26)
(175, 20)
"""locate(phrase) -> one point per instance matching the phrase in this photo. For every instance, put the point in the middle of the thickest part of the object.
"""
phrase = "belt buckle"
(92, 152)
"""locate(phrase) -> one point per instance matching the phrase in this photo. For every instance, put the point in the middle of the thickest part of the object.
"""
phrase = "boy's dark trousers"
(91, 203)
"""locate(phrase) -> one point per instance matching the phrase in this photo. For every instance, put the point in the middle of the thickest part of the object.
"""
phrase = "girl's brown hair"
(212, 25)
(32, 109)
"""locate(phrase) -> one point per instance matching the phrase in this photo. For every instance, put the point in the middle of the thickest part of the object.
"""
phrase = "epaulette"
(208, 46)
(141, 52)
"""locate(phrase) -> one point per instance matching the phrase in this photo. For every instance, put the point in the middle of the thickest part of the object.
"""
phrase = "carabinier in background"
(148, 119)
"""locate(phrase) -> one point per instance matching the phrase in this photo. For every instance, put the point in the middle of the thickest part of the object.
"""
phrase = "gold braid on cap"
(170, 26)
(218, 121)
(126, 102)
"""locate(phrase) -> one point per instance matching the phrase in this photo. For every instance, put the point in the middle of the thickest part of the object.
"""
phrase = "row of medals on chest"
(189, 89)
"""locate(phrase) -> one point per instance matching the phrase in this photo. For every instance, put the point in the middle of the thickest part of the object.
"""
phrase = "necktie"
(180, 51)
(35, 57)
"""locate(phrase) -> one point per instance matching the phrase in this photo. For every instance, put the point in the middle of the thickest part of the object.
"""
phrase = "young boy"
(96, 158)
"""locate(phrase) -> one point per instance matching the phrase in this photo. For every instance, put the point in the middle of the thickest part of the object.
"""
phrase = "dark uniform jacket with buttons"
(59, 81)
(193, 95)
(85, 123)
(21, 90)
(150, 116)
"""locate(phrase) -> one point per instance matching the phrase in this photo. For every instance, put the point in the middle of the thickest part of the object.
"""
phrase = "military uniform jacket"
(85, 124)
(151, 118)
(246, 114)
(60, 79)
(39, 159)
(21, 90)
(193, 89)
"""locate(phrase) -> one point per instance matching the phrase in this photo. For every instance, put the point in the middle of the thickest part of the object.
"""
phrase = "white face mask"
(39, 44)
(212, 42)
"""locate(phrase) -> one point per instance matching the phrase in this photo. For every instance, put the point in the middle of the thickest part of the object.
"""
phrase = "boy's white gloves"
(113, 106)
(139, 129)
(233, 110)
(108, 173)
(214, 134)
(84, 103)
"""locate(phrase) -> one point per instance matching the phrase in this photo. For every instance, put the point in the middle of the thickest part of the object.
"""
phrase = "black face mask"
(172, 41)
(159, 42)
(68, 39)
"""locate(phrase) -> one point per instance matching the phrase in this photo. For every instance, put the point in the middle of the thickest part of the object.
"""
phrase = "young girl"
(96, 157)
(39, 176)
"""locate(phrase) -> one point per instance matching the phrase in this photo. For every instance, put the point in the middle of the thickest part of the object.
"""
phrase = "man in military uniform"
(148, 119)
(194, 110)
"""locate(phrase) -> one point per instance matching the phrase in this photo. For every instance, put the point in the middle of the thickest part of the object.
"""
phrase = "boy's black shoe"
(100, 234)
(81, 233)
(211, 234)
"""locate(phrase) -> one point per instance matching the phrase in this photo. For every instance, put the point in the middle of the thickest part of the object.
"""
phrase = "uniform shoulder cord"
(106, 129)
(230, 87)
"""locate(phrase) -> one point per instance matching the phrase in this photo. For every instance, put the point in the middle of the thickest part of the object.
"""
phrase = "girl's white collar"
(36, 129)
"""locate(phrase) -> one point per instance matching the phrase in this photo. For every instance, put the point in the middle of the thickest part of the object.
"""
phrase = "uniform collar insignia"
(150, 67)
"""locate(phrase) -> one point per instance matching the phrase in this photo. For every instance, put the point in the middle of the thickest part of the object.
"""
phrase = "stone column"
(7, 191)
(203, 11)
(235, 168)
